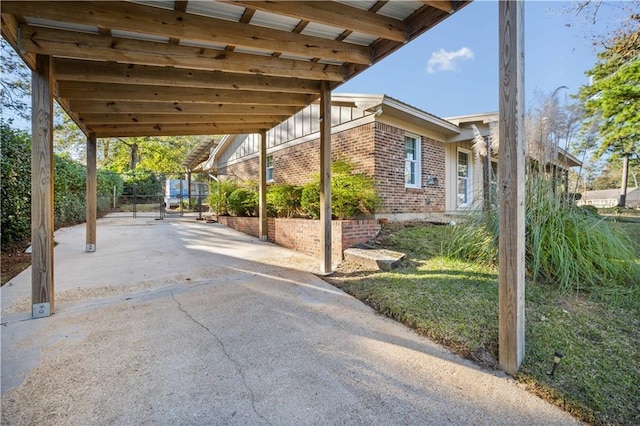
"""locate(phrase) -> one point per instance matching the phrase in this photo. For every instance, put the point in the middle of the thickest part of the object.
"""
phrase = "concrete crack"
(224, 350)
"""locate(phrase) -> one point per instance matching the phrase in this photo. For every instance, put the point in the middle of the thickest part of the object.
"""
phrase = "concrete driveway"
(182, 322)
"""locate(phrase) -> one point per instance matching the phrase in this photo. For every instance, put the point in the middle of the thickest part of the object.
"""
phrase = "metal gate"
(164, 195)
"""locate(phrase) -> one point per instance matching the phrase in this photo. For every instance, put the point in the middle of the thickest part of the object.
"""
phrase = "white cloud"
(447, 61)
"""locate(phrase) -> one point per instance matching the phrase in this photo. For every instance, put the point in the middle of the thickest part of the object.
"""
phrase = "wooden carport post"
(264, 232)
(512, 183)
(92, 195)
(325, 178)
(42, 296)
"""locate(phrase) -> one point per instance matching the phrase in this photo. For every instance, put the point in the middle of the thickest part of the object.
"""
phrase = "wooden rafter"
(111, 72)
(95, 47)
(177, 108)
(178, 130)
(125, 92)
(95, 119)
(168, 23)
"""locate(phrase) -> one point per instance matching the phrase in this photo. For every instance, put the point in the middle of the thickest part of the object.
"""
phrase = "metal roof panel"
(271, 20)
(61, 25)
(214, 9)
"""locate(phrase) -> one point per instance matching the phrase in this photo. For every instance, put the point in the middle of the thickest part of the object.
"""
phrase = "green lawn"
(456, 303)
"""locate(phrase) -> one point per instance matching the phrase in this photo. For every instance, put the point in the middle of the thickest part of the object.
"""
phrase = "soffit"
(159, 68)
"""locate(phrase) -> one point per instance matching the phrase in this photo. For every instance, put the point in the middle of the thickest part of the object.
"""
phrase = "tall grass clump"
(566, 246)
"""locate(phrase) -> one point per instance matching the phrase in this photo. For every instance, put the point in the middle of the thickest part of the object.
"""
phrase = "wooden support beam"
(177, 108)
(178, 131)
(92, 194)
(131, 92)
(111, 72)
(264, 233)
(95, 47)
(179, 25)
(42, 294)
(325, 179)
(102, 119)
(156, 129)
(335, 14)
(511, 167)
(10, 33)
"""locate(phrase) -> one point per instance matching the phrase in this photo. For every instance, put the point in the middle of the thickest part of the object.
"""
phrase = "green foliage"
(69, 192)
(612, 99)
(219, 193)
(141, 182)
(310, 199)
(243, 202)
(15, 167)
(566, 246)
(157, 154)
(69, 188)
(283, 200)
(352, 194)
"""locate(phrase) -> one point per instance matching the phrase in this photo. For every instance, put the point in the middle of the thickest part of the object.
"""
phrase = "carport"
(227, 67)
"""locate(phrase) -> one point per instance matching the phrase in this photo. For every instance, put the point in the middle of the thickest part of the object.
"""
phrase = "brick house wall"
(374, 148)
(389, 173)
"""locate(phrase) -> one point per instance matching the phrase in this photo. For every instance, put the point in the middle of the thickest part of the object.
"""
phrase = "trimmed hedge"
(69, 200)
(15, 165)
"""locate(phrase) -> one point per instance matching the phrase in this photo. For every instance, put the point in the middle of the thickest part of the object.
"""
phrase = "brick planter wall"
(303, 235)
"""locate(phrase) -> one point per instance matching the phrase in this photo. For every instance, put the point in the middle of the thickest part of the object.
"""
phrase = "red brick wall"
(303, 235)
(389, 173)
(376, 149)
(296, 165)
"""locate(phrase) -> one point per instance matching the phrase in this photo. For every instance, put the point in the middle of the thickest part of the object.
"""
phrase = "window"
(494, 182)
(270, 168)
(412, 162)
(464, 179)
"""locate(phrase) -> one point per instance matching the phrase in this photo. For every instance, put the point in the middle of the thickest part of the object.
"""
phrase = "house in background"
(609, 198)
(423, 165)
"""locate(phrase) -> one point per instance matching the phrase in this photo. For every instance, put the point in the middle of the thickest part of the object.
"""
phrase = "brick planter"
(303, 235)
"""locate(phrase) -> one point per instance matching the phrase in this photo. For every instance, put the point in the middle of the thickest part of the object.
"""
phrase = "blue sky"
(453, 68)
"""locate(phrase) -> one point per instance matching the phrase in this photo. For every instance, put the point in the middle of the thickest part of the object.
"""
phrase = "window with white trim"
(412, 161)
(269, 168)
(464, 178)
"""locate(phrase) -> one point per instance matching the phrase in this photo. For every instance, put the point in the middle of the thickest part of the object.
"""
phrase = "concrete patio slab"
(184, 322)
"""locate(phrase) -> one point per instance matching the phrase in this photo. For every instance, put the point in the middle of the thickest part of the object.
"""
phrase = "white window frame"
(417, 162)
(469, 178)
(269, 168)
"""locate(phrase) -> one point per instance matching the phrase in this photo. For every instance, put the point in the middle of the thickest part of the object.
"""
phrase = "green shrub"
(69, 197)
(310, 199)
(352, 194)
(283, 200)
(15, 168)
(566, 246)
(219, 193)
(243, 202)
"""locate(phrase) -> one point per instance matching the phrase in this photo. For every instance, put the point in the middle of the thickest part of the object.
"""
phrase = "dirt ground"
(12, 262)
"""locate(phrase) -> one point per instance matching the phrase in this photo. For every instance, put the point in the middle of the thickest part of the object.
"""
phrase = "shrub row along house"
(424, 166)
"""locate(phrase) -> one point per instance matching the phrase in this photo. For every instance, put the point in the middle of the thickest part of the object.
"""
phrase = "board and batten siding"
(304, 123)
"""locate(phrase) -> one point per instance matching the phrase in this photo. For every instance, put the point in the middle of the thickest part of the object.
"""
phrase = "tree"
(612, 101)
(159, 154)
(15, 85)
